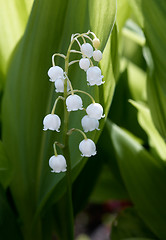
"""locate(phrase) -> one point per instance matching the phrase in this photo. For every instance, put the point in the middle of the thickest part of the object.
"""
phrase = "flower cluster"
(73, 102)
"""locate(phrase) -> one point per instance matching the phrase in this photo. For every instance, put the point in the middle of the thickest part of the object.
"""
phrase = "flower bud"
(87, 147)
(57, 163)
(73, 103)
(94, 76)
(95, 110)
(87, 49)
(51, 122)
(97, 55)
(84, 63)
(55, 72)
(59, 85)
(89, 124)
(96, 42)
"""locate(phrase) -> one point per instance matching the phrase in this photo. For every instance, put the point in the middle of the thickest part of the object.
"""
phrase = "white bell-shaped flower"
(84, 63)
(59, 85)
(94, 76)
(51, 122)
(95, 110)
(97, 55)
(73, 103)
(87, 148)
(87, 49)
(89, 124)
(57, 163)
(55, 72)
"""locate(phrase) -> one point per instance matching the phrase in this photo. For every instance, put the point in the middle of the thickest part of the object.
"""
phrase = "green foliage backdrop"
(130, 163)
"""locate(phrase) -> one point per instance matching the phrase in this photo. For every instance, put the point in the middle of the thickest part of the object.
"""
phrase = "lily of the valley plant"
(88, 45)
(72, 101)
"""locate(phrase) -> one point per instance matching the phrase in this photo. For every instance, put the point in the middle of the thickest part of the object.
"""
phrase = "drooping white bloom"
(57, 163)
(87, 49)
(73, 103)
(95, 110)
(87, 148)
(84, 63)
(55, 72)
(94, 76)
(89, 124)
(97, 55)
(59, 85)
(51, 122)
(96, 42)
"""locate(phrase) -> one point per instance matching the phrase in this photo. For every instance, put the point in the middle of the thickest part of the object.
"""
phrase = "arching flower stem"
(75, 51)
(55, 103)
(72, 62)
(57, 54)
(55, 151)
(77, 130)
(88, 38)
(93, 101)
(72, 91)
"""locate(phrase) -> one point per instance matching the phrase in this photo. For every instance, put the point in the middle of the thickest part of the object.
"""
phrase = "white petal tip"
(51, 80)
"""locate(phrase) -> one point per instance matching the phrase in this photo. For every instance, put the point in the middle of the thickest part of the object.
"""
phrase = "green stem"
(76, 90)
(57, 54)
(77, 130)
(66, 153)
(72, 91)
(55, 103)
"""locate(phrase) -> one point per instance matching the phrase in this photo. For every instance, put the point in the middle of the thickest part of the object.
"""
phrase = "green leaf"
(13, 19)
(128, 224)
(123, 12)
(121, 112)
(156, 37)
(5, 168)
(29, 97)
(8, 221)
(144, 177)
(108, 187)
(145, 120)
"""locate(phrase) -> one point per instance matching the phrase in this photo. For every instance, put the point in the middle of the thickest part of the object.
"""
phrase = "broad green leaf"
(5, 167)
(121, 112)
(13, 19)
(9, 228)
(29, 96)
(145, 120)
(123, 13)
(128, 224)
(132, 31)
(111, 177)
(144, 177)
(156, 37)
(108, 187)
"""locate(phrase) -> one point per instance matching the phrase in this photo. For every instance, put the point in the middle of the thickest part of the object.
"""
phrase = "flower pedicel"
(72, 101)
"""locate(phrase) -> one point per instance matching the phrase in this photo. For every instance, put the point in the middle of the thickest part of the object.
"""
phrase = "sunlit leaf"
(148, 12)
(13, 19)
(145, 120)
